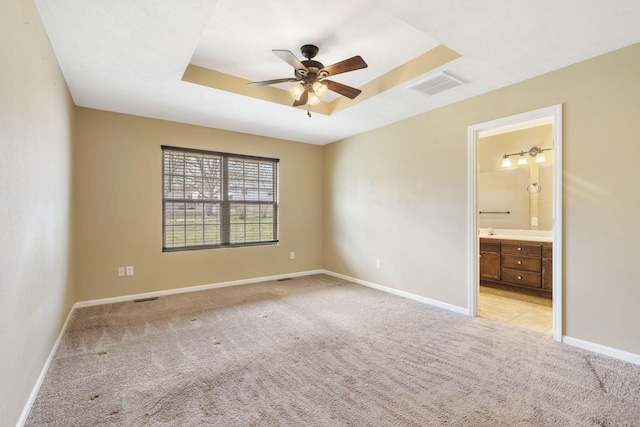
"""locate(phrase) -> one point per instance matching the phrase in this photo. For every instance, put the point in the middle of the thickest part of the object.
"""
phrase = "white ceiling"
(129, 56)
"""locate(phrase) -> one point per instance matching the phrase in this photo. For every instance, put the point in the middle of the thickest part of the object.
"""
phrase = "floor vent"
(283, 280)
(436, 84)
(145, 299)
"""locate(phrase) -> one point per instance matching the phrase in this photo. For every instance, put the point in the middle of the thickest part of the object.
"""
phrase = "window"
(213, 200)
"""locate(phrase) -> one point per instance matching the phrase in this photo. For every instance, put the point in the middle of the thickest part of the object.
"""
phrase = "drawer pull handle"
(519, 249)
(519, 277)
(519, 262)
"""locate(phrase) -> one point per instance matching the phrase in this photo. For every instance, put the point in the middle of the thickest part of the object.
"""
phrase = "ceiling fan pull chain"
(309, 111)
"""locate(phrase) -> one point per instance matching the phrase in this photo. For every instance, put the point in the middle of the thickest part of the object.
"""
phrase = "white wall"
(36, 290)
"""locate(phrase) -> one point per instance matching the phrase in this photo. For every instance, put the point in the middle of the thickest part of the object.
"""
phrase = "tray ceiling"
(189, 61)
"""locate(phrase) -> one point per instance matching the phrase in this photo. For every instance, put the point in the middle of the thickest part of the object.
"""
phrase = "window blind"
(213, 199)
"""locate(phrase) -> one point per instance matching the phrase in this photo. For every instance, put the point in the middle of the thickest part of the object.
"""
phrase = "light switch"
(129, 270)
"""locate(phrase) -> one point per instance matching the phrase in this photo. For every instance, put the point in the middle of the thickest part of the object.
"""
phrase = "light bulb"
(313, 99)
(506, 162)
(320, 89)
(540, 158)
(297, 91)
(522, 160)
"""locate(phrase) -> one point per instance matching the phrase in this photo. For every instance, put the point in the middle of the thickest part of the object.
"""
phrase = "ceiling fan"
(312, 76)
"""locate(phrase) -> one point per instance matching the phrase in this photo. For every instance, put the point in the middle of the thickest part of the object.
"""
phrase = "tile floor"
(526, 311)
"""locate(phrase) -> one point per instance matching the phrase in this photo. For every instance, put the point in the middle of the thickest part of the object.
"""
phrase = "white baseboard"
(36, 387)
(440, 304)
(602, 349)
(192, 289)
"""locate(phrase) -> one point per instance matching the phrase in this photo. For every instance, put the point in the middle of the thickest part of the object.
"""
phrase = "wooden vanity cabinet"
(516, 264)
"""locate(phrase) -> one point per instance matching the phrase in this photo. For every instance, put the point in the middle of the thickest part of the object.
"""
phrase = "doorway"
(545, 116)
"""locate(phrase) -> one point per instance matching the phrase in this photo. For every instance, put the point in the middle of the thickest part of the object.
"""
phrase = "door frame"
(554, 113)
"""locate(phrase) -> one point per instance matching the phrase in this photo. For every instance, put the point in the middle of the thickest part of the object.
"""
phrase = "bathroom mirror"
(519, 196)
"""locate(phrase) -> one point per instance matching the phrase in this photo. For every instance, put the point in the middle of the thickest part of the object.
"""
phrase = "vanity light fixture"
(535, 152)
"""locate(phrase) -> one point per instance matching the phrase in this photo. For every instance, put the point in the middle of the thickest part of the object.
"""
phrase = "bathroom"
(515, 219)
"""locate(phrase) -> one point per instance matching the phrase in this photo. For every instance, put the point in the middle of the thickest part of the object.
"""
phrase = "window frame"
(224, 202)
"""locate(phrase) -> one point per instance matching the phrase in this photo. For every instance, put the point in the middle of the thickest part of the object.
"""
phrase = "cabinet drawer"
(547, 252)
(521, 263)
(521, 249)
(524, 278)
(489, 246)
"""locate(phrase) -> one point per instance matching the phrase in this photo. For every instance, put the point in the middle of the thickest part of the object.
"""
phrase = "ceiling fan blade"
(344, 90)
(303, 99)
(290, 59)
(272, 82)
(350, 64)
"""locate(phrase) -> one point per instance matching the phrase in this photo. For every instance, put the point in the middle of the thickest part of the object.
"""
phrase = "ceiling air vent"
(436, 84)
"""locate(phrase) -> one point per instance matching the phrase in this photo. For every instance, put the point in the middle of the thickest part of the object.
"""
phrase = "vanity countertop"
(516, 237)
(524, 235)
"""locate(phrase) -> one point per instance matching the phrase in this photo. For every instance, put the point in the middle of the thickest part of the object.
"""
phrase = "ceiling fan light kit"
(313, 99)
(311, 76)
(320, 89)
(296, 91)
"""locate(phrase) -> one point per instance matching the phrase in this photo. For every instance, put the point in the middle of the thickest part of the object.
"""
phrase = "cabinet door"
(490, 265)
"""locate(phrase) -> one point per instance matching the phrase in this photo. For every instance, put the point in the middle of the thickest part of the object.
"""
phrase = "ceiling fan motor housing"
(310, 75)
(309, 51)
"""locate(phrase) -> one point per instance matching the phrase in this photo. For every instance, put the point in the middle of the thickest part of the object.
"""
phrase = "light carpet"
(320, 351)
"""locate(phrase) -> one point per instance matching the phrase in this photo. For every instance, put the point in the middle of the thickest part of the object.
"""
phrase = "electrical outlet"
(129, 270)
(378, 263)
(534, 221)
(292, 255)
(120, 271)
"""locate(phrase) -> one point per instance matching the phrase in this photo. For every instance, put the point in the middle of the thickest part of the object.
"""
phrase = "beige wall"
(388, 196)
(399, 193)
(36, 280)
(118, 194)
